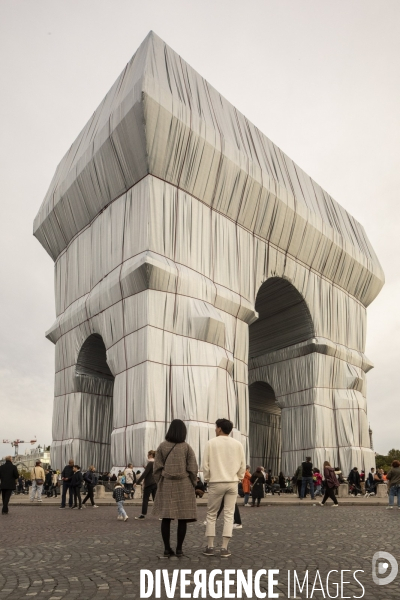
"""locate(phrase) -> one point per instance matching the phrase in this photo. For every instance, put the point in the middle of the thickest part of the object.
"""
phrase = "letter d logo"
(382, 567)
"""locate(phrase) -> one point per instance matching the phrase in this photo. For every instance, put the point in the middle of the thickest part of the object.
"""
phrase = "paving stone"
(104, 556)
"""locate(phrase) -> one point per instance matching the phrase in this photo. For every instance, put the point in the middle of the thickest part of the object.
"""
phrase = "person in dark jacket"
(331, 483)
(297, 479)
(393, 478)
(21, 485)
(355, 481)
(268, 480)
(257, 491)
(66, 478)
(48, 481)
(307, 478)
(119, 494)
(8, 476)
(91, 481)
(76, 484)
(282, 482)
(149, 484)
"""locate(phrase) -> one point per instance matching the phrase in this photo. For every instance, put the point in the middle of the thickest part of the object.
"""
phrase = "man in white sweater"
(224, 466)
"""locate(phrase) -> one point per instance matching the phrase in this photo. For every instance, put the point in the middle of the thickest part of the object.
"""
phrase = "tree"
(393, 455)
(382, 462)
(385, 462)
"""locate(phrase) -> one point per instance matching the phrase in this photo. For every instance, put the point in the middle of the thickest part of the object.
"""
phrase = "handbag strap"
(166, 458)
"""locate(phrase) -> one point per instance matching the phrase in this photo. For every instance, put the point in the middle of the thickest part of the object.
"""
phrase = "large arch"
(95, 382)
(284, 320)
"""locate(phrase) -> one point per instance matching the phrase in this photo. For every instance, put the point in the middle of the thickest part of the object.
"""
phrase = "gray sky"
(320, 79)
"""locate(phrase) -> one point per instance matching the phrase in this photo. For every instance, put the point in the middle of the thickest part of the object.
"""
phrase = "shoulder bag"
(38, 481)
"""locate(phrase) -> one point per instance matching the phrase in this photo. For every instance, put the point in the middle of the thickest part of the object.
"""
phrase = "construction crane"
(16, 443)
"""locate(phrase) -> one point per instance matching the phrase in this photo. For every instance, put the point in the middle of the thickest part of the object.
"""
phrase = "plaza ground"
(48, 553)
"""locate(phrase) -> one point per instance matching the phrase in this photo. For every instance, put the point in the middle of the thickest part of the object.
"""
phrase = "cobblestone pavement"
(48, 553)
(289, 499)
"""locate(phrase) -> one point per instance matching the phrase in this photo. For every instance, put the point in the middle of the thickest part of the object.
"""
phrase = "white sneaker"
(120, 518)
(335, 505)
(389, 507)
(40, 500)
(126, 518)
(235, 526)
(95, 506)
(321, 504)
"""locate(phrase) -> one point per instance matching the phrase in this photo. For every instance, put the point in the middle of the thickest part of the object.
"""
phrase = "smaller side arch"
(95, 382)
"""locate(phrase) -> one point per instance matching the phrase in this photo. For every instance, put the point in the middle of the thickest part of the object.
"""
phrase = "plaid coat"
(176, 476)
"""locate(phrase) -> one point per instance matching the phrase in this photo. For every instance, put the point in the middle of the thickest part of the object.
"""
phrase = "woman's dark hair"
(225, 425)
(176, 432)
(395, 463)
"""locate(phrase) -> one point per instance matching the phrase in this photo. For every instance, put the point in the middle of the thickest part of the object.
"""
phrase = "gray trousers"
(218, 492)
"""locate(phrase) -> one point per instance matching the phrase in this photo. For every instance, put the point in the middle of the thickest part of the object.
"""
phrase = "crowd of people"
(171, 479)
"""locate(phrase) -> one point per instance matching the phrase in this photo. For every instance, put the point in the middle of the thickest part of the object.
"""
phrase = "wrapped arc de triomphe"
(200, 273)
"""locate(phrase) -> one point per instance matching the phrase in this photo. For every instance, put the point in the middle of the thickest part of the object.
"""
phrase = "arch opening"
(92, 360)
(284, 320)
(95, 381)
(265, 427)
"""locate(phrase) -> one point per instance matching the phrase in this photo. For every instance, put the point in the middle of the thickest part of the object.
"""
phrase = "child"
(317, 478)
(76, 484)
(119, 496)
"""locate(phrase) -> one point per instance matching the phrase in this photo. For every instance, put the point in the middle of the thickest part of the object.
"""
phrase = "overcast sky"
(320, 78)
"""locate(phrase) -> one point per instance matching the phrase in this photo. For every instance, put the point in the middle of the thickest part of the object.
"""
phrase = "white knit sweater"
(223, 460)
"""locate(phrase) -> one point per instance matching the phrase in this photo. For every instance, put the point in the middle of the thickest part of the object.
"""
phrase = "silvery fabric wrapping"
(194, 262)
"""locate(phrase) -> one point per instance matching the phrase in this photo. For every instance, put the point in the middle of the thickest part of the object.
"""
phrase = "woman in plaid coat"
(175, 471)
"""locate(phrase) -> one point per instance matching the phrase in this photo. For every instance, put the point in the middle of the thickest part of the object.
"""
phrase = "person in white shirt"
(224, 466)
